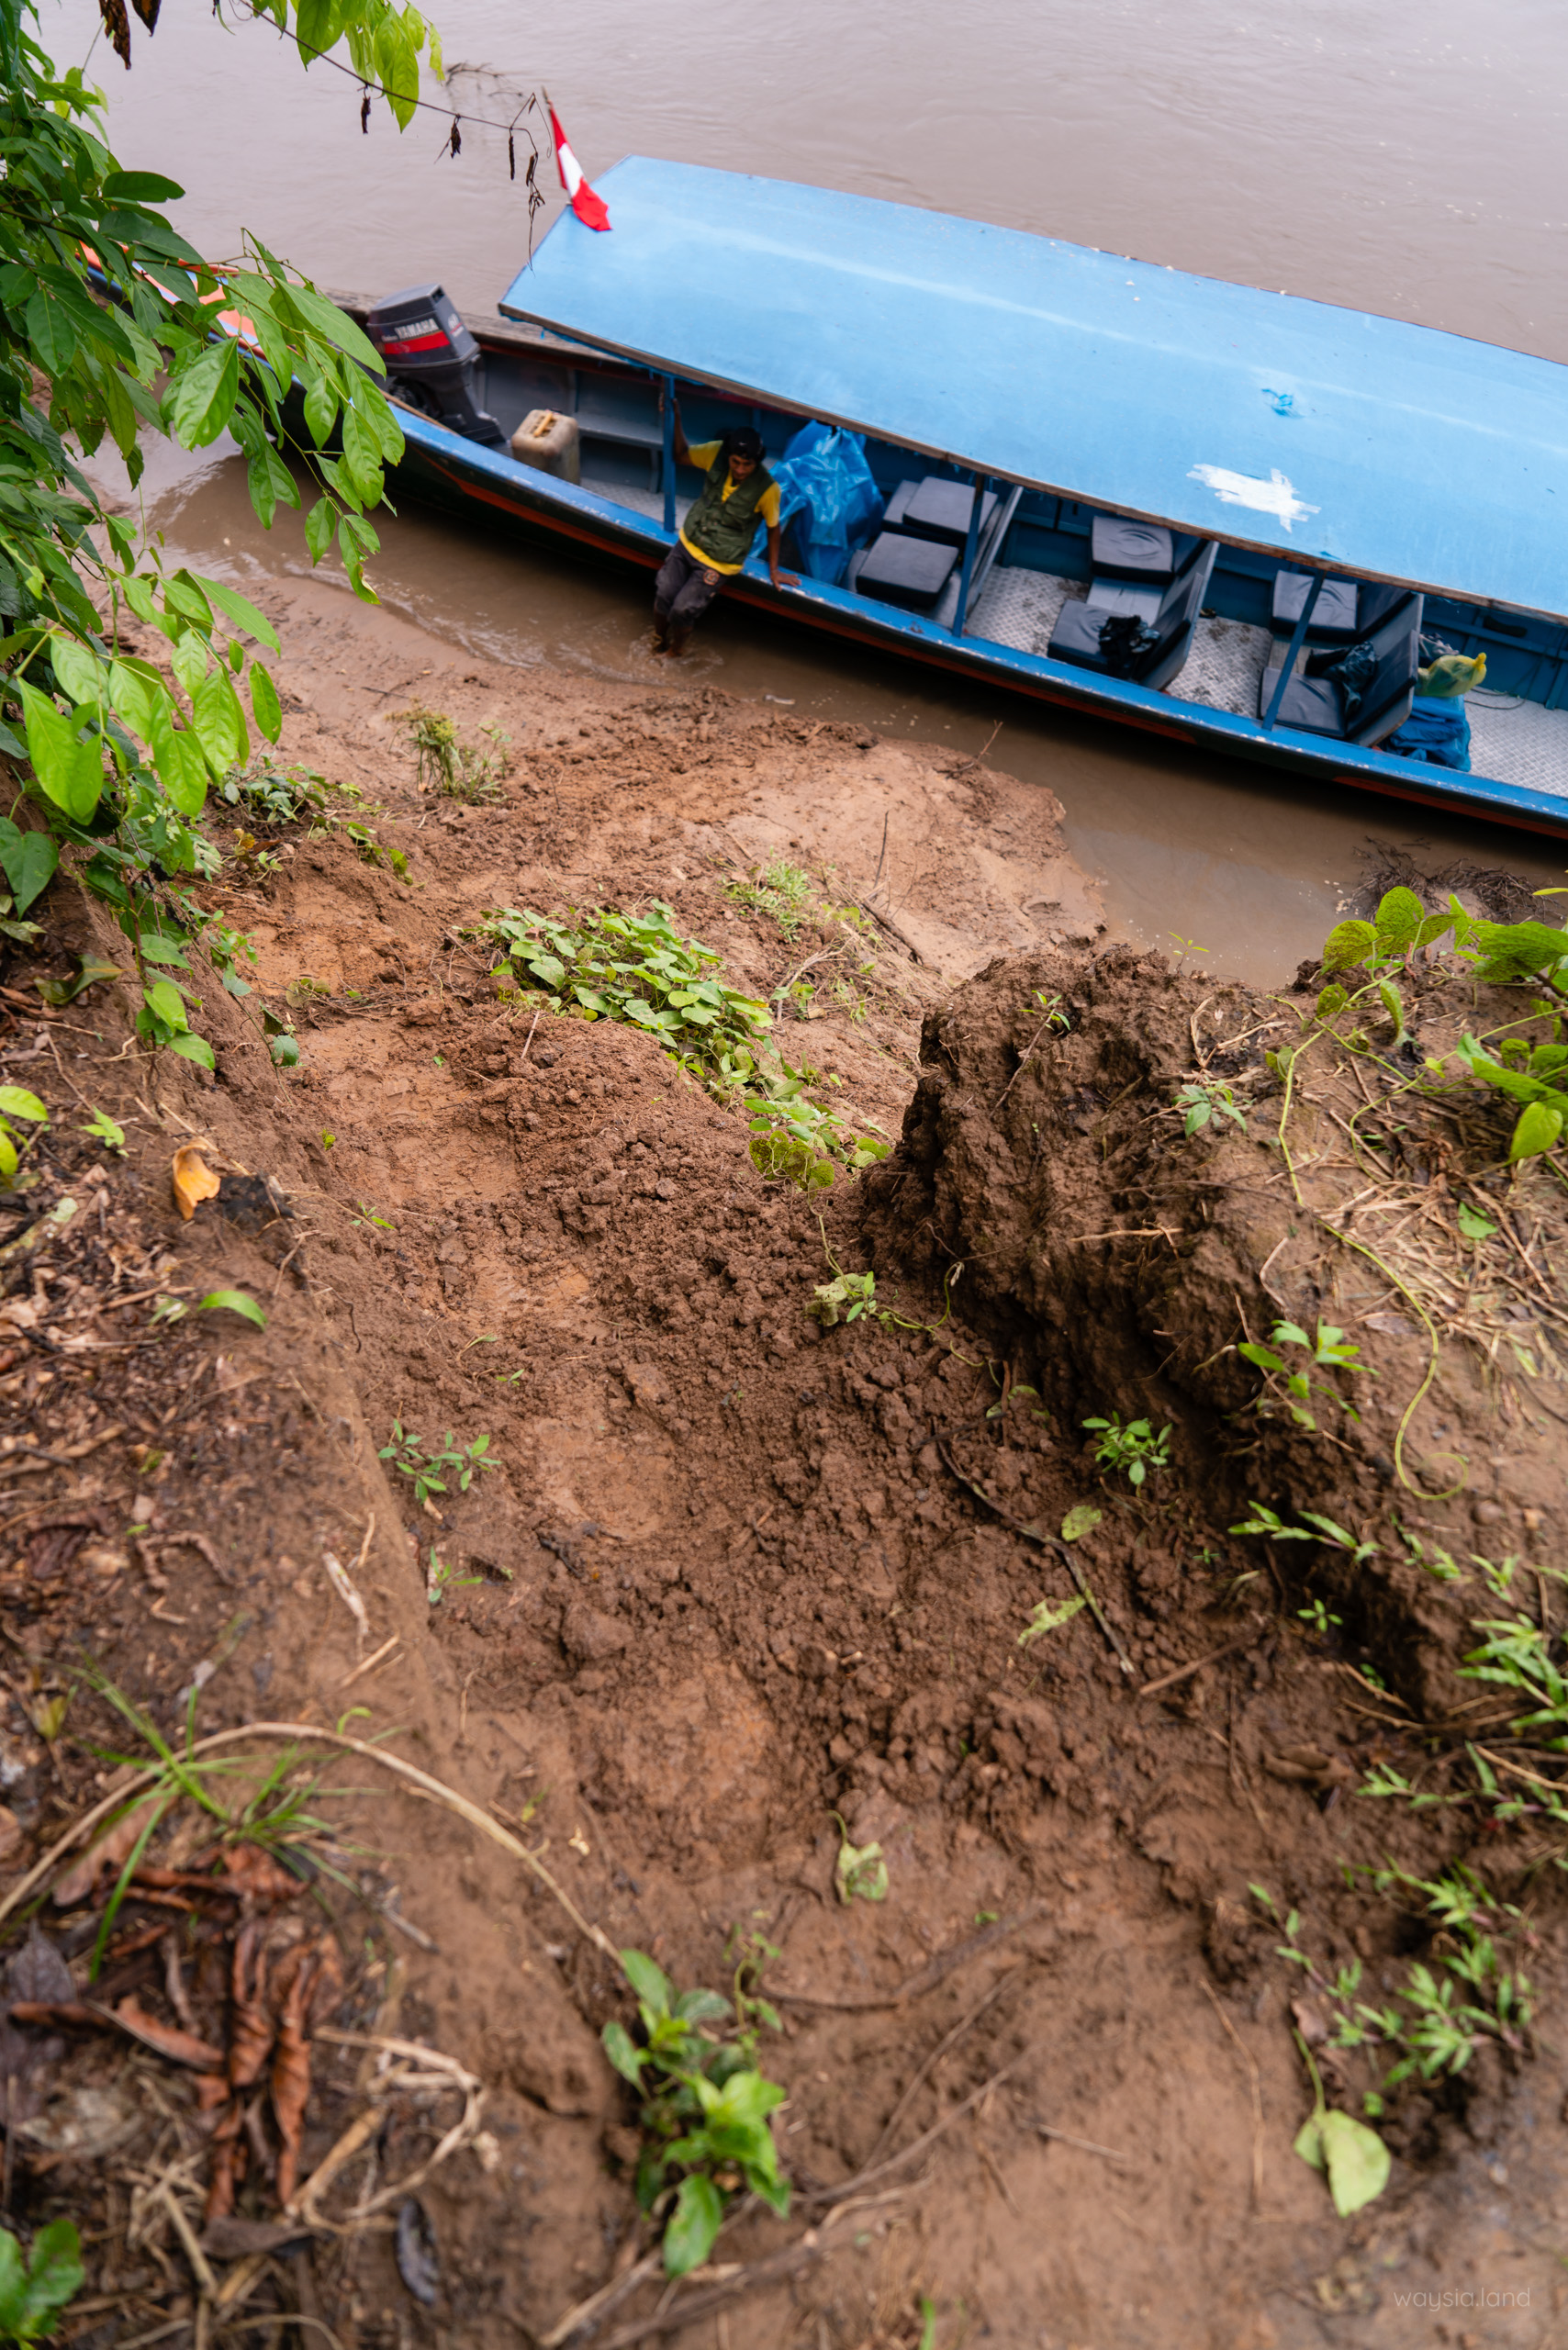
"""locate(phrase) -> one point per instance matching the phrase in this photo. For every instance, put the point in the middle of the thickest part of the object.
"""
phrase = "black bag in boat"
(1125, 640)
(1351, 671)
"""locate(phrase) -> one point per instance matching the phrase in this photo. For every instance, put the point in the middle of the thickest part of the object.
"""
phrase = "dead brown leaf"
(193, 1179)
(291, 2074)
(109, 1852)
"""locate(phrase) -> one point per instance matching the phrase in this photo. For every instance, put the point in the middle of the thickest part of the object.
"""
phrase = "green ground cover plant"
(1130, 1447)
(704, 2109)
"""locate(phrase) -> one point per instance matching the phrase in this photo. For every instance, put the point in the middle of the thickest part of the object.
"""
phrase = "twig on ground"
(929, 2066)
(1084, 2145)
(1185, 1671)
(1256, 2086)
(1047, 1542)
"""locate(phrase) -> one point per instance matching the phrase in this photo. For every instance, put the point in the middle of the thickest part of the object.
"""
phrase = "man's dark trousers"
(683, 591)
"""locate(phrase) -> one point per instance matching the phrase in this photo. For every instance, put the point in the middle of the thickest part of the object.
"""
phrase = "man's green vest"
(723, 528)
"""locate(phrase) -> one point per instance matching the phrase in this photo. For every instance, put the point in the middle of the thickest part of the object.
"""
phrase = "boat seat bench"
(1316, 705)
(1076, 637)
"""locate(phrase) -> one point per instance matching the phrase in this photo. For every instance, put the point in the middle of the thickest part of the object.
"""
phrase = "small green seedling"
(860, 1873)
(1048, 1615)
(15, 1102)
(232, 1301)
(1317, 1529)
(1037, 1410)
(1475, 1226)
(1133, 1447)
(844, 1298)
(1294, 1386)
(1318, 1619)
(704, 2115)
(105, 1129)
(407, 1453)
(441, 1579)
(1199, 1101)
(34, 2289)
(367, 1217)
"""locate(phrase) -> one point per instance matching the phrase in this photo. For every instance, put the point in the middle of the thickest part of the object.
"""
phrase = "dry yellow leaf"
(193, 1178)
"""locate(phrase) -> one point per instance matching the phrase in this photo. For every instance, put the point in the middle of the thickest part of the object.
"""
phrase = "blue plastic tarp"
(827, 489)
(1437, 733)
(1388, 449)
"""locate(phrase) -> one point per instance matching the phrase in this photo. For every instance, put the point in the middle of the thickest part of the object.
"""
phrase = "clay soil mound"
(726, 1588)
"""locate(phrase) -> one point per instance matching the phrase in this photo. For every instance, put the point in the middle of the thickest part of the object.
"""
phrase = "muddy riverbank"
(712, 1587)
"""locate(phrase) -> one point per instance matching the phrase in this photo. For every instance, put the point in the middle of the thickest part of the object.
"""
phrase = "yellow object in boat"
(1454, 675)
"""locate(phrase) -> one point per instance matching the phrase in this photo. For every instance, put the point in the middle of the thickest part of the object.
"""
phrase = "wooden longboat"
(1262, 482)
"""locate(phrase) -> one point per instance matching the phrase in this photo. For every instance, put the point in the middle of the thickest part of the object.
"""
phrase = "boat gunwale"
(820, 604)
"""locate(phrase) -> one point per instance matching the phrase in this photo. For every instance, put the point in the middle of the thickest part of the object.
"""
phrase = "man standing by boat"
(739, 492)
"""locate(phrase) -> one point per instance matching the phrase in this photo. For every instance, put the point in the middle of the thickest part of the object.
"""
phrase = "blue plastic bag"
(1436, 732)
(826, 488)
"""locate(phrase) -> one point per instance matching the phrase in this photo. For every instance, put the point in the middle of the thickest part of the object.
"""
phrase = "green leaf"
(176, 753)
(1332, 1001)
(860, 1873)
(322, 404)
(1399, 917)
(319, 527)
(165, 1002)
(55, 2272)
(220, 721)
(332, 323)
(232, 1301)
(51, 332)
(191, 660)
(27, 860)
(362, 451)
(1393, 1004)
(141, 188)
(1537, 1131)
(626, 2059)
(15, 1102)
(694, 2223)
(239, 611)
(1079, 1520)
(1348, 944)
(133, 697)
(70, 772)
(1475, 1226)
(79, 670)
(1048, 1616)
(1309, 2142)
(13, 2284)
(201, 397)
(1357, 2159)
(650, 1982)
(1514, 951)
(194, 1048)
(266, 707)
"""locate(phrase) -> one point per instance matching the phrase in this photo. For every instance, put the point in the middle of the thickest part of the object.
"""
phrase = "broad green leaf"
(131, 697)
(745, 2100)
(333, 324)
(137, 593)
(51, 332)
(8, 1159)
(321, 403)
(141, 188)
(1348, 944)
(231, 1300)
(191, 660)
(860, 1873)
(1517, 950)
(264, 704)
(1358, 2161)
(15, 1102)
(55, 2272)
(626, 2059)
(181, 770)
(219, 723)
(1079, 1520)
(28, 861)
(186, 597)
(12, 2273)
(319, 525)
(1332, 1001)
(269, 480)
(649, 1981)
(1393, 1004)
(156, 950)
(70, 772)
(202, 395)
(694, 2223)
(240, 609)
(1048, 1615)
(362, 453)
(1309, 2142)
(1399, 917)
(194, 1048)
(1537, 1131)
(166, 1003)
(79, 670)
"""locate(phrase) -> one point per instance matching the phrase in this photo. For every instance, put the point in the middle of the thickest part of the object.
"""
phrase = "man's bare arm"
(780, 578)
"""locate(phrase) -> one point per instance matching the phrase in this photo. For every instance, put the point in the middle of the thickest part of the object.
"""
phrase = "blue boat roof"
(1386, 448)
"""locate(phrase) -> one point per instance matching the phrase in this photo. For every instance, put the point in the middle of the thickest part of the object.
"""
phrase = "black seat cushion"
(1130, 550)
(901, 570)
(1312, 703)
(1334, 614)
(937, 510)
(1076, 636)
(893, 512)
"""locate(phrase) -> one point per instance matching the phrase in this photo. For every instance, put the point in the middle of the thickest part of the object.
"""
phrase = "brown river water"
(1406, 160)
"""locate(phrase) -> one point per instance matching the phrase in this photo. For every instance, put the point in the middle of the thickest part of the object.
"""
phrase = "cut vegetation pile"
(781, 1600)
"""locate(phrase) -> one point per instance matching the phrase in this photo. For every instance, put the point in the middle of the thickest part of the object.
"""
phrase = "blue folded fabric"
(1435, 731)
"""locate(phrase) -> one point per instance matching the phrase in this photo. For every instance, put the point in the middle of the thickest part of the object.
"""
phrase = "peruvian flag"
(589, 209)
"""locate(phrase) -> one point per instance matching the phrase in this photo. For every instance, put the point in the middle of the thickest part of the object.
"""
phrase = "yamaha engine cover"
(433, 361)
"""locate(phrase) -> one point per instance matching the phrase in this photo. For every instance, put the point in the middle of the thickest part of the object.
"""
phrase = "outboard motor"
(433, 361)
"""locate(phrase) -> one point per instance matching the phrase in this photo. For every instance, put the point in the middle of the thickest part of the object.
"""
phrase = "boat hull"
(440, 468)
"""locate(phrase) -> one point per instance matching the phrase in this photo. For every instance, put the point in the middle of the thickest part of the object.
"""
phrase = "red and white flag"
(589, 209)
